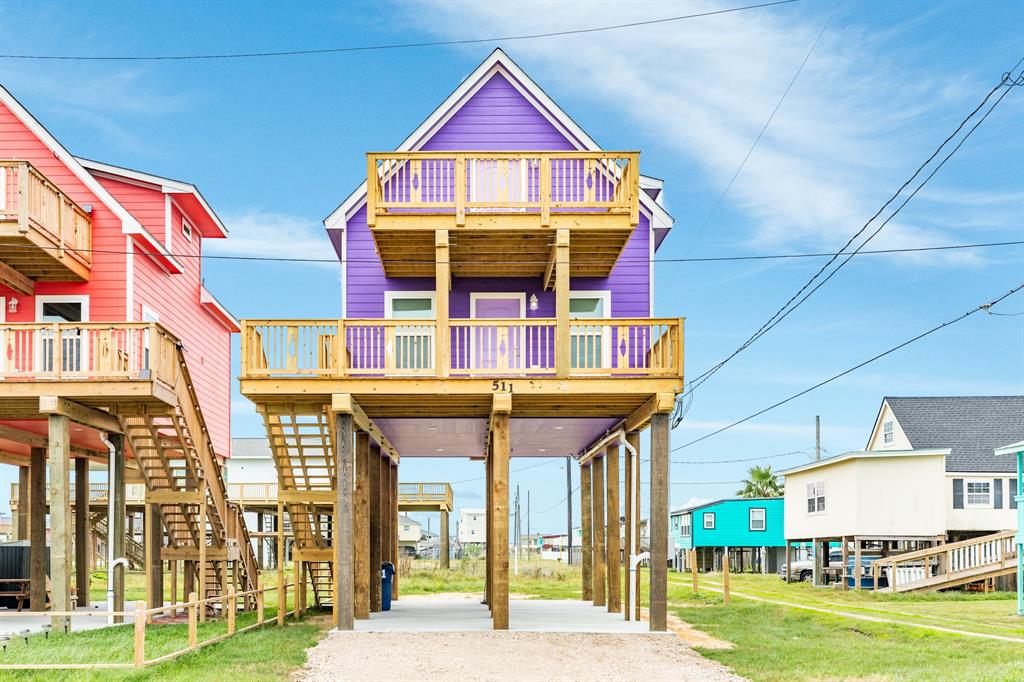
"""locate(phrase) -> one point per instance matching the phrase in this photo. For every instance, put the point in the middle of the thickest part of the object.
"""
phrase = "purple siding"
(496, 117)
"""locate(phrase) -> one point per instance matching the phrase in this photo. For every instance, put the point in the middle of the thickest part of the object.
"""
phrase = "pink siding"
(175, 299)
(106, 287)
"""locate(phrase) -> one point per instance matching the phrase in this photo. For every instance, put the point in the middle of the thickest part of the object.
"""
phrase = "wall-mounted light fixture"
(533, 302)
(12, 305)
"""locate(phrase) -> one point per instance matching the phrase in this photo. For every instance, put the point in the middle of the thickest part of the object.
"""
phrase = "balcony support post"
(59, 460)
(587, 531)
(611, 477)
(373, 485)
(497, 547)
(37, 529)
(372, 183)
(659, 478)
(442, 286)
(444, 540)
(599, 547)
(361, 526)
(344, 453)
(83, 532)
(562, 332)
(115, 526)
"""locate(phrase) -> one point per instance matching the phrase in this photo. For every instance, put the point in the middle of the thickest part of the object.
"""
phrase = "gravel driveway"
(471, 656)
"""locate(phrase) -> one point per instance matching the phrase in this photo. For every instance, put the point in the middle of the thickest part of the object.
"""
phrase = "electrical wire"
(746, 459)
(870, 360)
(394, 46)
(1007, 82)
(622, 259)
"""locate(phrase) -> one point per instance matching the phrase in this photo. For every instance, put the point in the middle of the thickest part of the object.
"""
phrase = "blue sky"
(276, 144)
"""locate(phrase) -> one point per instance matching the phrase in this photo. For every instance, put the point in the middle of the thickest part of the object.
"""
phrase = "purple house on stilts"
(497, 291)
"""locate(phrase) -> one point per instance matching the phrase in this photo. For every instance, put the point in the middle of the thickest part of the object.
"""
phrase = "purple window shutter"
(958, 493)
(997, 493)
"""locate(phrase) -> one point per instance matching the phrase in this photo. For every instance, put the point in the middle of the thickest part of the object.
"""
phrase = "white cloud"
(844, 138)
(260, 233)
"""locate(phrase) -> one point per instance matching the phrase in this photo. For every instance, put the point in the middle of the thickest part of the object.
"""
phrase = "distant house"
(555, 546)
(927, 477)
(750, 530)
(472, 528)
(409, 535)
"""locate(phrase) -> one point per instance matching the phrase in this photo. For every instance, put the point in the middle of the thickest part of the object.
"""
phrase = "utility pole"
(817, 438)
(519, 535)
(529, 540)
(568, 508)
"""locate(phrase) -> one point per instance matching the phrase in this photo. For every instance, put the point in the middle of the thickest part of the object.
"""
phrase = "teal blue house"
(749, 529)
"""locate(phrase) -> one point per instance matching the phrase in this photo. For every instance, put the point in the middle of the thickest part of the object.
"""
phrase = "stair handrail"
(941, 549)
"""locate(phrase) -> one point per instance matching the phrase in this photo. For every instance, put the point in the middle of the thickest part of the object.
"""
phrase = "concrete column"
(61, 529)
(344, 593)
(659, 521)
(83, 532)
(37, 530)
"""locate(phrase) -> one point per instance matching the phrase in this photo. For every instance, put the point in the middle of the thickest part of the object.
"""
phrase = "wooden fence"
(143, 621)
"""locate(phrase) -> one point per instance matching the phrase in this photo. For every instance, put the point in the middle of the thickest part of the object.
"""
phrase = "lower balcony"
(470, 348)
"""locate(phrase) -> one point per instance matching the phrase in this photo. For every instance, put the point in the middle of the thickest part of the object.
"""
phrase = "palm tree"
(761, 482)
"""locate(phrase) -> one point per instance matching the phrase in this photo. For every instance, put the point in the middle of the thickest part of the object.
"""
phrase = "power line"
(746, 459)
(984, 306)
(559, 503)
(1006, 82)
(623, 259)
(760, 134)
(706, 482)
(513, 471)
(394, 46)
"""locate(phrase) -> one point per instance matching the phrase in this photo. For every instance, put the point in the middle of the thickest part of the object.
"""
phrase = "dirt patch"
(479, 656)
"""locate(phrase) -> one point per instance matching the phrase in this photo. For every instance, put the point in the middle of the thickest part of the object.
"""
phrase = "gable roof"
(185, 192)
(865, 454)
(702, 505)
(972, 427)
(498, 62)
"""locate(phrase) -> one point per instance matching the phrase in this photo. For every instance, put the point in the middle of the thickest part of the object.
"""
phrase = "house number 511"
(501, 386)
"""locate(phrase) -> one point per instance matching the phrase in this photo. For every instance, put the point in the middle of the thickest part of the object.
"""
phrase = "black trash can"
(387, 575)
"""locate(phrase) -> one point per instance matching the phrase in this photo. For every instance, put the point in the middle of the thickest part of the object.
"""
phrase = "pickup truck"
(804, 569)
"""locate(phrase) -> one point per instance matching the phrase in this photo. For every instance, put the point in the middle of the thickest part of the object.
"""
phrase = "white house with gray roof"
(928, 472)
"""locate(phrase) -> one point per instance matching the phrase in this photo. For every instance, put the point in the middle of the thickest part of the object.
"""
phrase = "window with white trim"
(979, 494)
(816, 497)
(709, 520)
(686, 531)
(756, 518)
(186, 229)
(887, 433)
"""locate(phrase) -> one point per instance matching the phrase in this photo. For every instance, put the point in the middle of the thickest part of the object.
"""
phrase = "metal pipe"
(111, 560)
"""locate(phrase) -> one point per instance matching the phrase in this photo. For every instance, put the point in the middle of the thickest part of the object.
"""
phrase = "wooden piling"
(600, 571)
(361, 526)
(614, 552)
(587, 524)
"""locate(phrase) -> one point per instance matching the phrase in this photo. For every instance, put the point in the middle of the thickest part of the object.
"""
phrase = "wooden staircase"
(133, 549)
(301, 442)
(184, 479)
(950, 565)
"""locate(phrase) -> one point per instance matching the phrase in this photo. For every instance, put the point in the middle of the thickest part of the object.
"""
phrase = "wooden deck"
(425, 497)
(949, 565)
(499, 204)
(44, 235)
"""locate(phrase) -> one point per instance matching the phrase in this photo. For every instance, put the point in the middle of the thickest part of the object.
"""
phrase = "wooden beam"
(344, 593)
(36, 441)
(345, 402)
(549, 270)
(83, 531)
(633, 438)
(562, 287)
(307, 497)
(587, 529)
(445, 550)
(16, 280)
(600, 572)
(611, 463)
(442, 287)
(659, 521)
(58, 455)
(37, 529)
(173, 497)
(641, 417)
(499, 588)
(76, 412)
(374, 485)
(361, 526)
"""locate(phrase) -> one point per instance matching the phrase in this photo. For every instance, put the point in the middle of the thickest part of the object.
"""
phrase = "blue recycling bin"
(387, 575)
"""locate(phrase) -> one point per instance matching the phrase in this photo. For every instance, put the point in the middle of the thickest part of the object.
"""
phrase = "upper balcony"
(44, 235)
(475, 348)
(501, 209)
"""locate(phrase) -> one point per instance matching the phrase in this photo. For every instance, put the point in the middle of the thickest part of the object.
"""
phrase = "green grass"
(771, 642)
(267, 653)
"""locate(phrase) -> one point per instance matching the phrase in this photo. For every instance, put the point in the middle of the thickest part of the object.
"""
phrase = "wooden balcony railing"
(134, 493)
(252, 493)
(87, 351)
(457, 183)
(425, 493)
(32, 206)
(637, 347)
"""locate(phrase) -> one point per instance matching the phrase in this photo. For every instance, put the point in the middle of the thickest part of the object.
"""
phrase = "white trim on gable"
(129, 270)
(497, 62)
(128, 221)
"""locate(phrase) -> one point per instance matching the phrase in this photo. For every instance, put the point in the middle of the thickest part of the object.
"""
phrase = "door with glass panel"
(589, 344)
(412, 345)
(64, 348)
